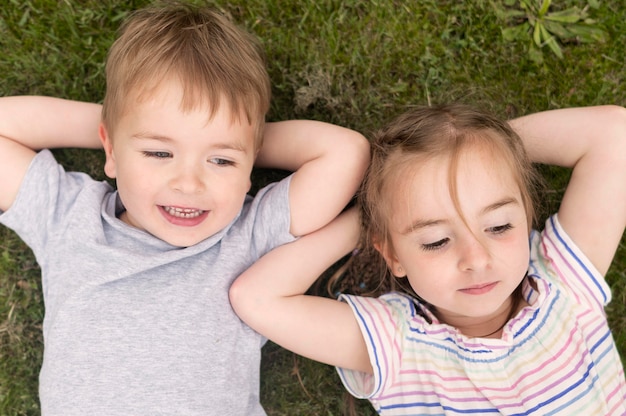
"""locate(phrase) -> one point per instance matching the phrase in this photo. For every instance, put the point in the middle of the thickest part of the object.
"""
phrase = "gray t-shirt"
(133, 325)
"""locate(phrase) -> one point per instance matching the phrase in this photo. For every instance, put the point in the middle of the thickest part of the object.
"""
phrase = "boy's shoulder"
(50, 195)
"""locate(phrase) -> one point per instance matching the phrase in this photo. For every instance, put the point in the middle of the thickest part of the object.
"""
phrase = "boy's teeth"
(183, 212)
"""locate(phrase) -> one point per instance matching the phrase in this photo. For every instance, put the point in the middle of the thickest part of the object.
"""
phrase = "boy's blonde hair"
(212, 58)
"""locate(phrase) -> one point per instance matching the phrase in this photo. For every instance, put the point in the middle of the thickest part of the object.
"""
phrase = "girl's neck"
(492, 326)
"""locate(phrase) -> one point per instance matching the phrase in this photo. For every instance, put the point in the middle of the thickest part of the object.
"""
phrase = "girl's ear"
(107, 144)
(390, 258)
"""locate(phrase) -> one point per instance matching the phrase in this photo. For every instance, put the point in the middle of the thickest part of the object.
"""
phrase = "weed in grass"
(543, 27)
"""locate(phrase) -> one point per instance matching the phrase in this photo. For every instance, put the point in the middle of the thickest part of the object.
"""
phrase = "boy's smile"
(181, 176)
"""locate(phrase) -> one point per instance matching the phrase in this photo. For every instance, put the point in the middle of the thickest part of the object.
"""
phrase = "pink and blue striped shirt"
(555, 357)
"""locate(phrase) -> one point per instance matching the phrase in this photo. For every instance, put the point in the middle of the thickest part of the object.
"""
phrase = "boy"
(135, 281)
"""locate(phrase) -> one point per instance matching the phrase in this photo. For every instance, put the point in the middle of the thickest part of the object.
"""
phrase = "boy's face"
(181, 176)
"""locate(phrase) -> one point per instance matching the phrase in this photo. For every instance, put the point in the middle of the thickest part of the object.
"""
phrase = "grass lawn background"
(354, 63)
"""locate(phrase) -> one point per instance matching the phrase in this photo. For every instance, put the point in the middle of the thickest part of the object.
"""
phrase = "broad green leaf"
(527, 5)
(544, 8)
(594, 4)
(554, 47)
(518, 32)
(537, 34)
(588, 34)
(571, 15)
(551, 42)
(558, 29)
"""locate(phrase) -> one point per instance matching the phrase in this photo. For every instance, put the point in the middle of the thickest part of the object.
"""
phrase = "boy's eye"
(436, 245)
(500, 229)
(157, 154)
(221, 162)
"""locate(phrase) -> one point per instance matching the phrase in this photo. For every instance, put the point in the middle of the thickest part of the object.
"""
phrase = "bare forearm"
(40, 122)
(289, 270)
(270, 298)
(562, 137)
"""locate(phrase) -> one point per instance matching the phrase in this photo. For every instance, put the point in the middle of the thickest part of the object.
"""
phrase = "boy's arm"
(592, 141)
(14, 162)
(39, 122)
(329, 163)
(270, 298)
(31, 123)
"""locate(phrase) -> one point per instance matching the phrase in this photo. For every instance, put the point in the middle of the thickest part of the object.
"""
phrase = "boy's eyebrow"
(419, 223)
(236, 145)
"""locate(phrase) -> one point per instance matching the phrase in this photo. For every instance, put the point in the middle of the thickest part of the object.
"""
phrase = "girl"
(500, 318)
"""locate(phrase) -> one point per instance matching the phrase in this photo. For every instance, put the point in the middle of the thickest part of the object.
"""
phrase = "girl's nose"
(473, 255)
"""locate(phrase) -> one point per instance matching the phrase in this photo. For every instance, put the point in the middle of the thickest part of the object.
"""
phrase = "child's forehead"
(431, 191)
(174, 95)
(169, 92)
(161, 113)
(421, 178)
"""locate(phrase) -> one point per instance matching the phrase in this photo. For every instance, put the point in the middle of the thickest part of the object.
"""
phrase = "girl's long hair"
(417, 135)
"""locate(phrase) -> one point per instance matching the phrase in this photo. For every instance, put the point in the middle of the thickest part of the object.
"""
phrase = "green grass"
(354, 63)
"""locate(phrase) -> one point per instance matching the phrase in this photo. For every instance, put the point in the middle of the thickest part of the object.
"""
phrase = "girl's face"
(466, 269)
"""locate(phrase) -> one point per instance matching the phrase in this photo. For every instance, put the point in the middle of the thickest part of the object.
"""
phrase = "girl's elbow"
(615, 116)
(238, 297)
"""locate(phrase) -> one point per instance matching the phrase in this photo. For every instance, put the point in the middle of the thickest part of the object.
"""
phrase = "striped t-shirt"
(556, 356)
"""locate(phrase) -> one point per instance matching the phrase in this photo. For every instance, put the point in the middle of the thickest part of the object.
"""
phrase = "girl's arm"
(592, 141)
(270, 298)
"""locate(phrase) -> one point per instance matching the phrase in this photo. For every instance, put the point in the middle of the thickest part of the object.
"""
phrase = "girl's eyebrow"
(420, 223)
(499, 204)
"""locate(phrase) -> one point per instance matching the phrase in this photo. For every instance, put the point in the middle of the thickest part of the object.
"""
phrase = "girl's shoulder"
(555, 257)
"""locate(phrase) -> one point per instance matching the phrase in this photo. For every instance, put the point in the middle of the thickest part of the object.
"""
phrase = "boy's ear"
(107, 144)
(390, 258)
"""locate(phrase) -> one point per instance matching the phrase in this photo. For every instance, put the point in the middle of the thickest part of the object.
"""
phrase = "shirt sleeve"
(269, 214)
(555, 254)
(43, 205)
(381, 323)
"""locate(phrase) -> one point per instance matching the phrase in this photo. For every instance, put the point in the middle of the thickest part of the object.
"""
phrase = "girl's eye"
(221, 162)
(157, 155)
(500, 229)
(436, 245)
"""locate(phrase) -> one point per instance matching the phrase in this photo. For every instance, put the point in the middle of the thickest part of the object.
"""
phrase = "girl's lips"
(479, 289)
(186, 217)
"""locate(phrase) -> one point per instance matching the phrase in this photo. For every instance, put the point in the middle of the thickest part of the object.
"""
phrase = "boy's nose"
(188, 180)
